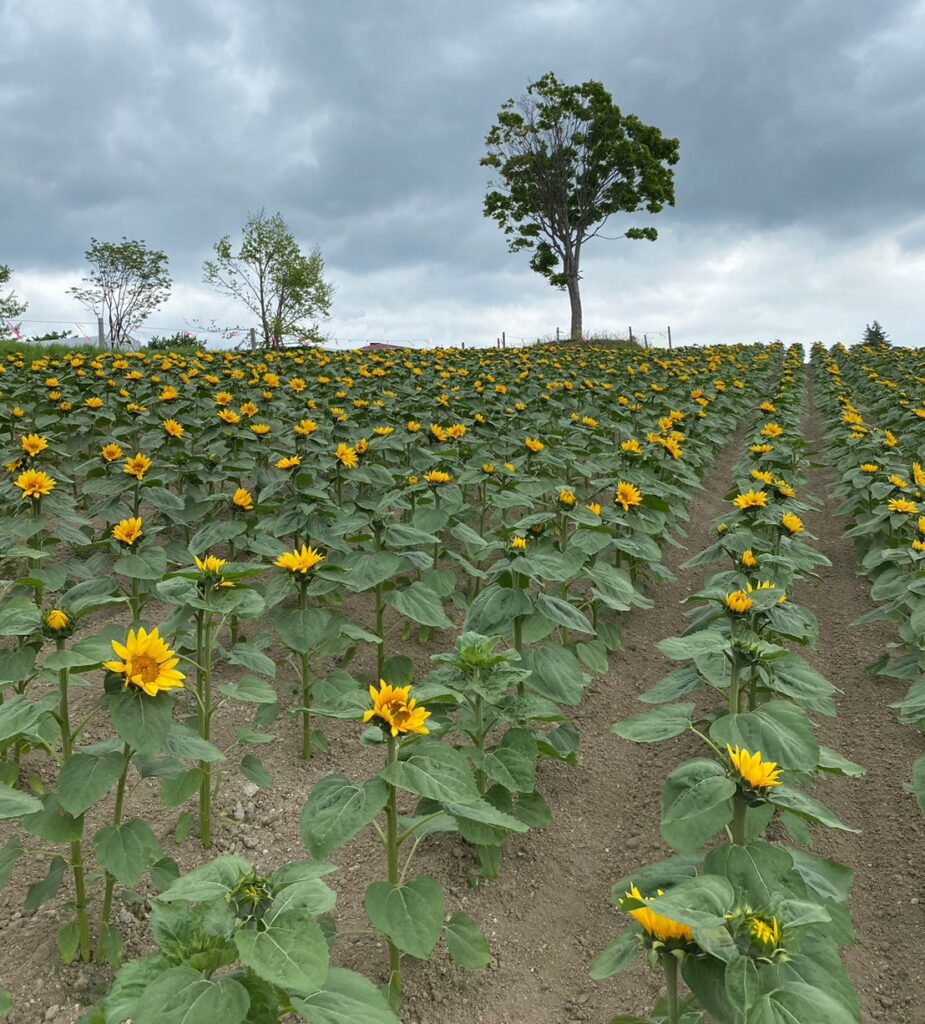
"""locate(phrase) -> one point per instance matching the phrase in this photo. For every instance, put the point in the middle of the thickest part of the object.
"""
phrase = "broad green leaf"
(19, 616)
(86, 778)
(797, 802)
(411, 915)
(14, 803)
(337, 809)
(780, 731)
(141, 721)
(10, 852)
(563, 614)
(680, 648)
(290, 952)
(701, 902)
(46, 889)
(183, 996)
(347, 998)
(126, 851)
(251, 689)
(20, 715)
(658, 724)
(420, 604)
(436, 771)
(555, 673)
(252, 768)
(216, 878)
(302, 629)
(697, 803)
(467, 945)
(617, 956)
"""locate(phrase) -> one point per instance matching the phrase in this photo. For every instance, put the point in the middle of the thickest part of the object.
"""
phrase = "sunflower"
(567, 498)
(57, 620)
(395, 712)
(533, 445)
(110, 452)
(146, 662)
(901, 505)
(173, 429)
(752, 770)
(656, 926)
(750, 499)
(918, 474)
(518, 544)
(748, 559)
(93, 402)
(627, 495)
(346, 456)
(791, 523)
(137, 466)
(32, 444)
(243, 500)
(869, 467)
(127, 531)
(305, 427)
(594, 508)
(631, 447)
(211, 565)
(289, 462)
(35, 484)
(300, 560)
(738, 602)
(437, 477)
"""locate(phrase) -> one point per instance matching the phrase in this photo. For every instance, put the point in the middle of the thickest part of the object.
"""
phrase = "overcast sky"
(800, 188)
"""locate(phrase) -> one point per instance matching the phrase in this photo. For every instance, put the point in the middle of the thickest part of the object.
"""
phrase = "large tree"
(126, 284)
(567, 160)
(282, 286)
(10, 304)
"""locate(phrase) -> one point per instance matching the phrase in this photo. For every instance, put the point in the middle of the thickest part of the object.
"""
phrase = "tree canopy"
(282, 286)
(11, 305)
(567, 160)
(127, 282)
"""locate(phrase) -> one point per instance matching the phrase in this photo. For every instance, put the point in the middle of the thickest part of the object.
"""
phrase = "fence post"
(252, 338)
(669, 337)
(631, 335)
(557, 335)
(100, 332)
(503, 339)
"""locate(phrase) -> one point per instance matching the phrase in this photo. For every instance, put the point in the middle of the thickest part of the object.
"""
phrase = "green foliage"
(126, 284)
(567, 160)
(273, 278)
(10, 305)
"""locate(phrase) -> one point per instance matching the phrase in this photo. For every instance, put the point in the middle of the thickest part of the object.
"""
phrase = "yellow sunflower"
(127, 531)
(300, 560)
(395, 711)
(146, 662)
(657, 926)
(627, 495)
(35, 484)
(751, 769)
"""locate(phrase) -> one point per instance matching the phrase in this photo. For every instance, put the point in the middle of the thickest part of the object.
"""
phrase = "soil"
(550, 912)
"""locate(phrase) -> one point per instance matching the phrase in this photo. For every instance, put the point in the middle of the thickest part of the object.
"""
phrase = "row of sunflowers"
(201, 553)
(874, 401)
(749, 919)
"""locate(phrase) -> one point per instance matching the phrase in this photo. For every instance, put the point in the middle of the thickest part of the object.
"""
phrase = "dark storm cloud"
(364, 122)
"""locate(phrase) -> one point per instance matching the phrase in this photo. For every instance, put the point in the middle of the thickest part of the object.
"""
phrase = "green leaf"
(302, 629)
(697, 803)
(126, 851)
(680, 648)
(217, 878)
(347, 998)
(555, 673)
(363, 571)
(6, 1003)
(701, 902)
(252, 768)
(495, 608)
(53, 822)
(411, 915)
(183, 743)
(467, 945)
(420, 604)
(67, 941)
(141, 721)
(86, 778)
(757, 871)
(563, 614)
(782, 732)
(10, 852)
(253, 659)
(149, 564)
(19, 617)
(806, 807)
(183, 996)
(13, 803)
(436, 771)
(796, 1002)
(513, 763)
(742, 983)
(129, 984)
(177, 789)
(19, 715)
(658, 724)
(617, 956)
(337, 809)
(39, 892)
(290, 952)
(251, 689)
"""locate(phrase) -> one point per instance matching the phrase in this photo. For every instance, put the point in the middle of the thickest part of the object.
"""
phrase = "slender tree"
(126, 284)
(567, 160)
(874, 334)
(282, 286)
(10, 304)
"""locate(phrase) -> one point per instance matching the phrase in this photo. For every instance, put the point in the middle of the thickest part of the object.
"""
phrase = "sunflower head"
(35, 484)
(738, 602)
(793, 524)
(137, 466)
(752, 772)
(300, 561)
(748, 559)
(146, 662)
(758, 935)
(395, 711)
(750, 499)
(902, 506)
(437, 478)
(58, 622)
(127, 531)
(243, 500)
(567, 498)
(33, 444)
(346, 456)
(627, 495)
(533, 445)
(110, 452)
(659, 930)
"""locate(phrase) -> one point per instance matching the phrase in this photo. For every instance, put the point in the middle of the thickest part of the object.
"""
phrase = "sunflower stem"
(391, 852)
(110, 880)
(204, 688)
(380, 647)
(670, 966)
(76, 846)
(305, 673)
(739, 807)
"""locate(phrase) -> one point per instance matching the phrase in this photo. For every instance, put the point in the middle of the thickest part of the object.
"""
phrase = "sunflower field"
(382, 585)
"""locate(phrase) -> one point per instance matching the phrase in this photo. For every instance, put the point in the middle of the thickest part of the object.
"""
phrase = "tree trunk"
(574, 297)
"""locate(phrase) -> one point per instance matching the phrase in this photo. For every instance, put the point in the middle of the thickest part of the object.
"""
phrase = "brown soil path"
(550, 912)
(888, 899)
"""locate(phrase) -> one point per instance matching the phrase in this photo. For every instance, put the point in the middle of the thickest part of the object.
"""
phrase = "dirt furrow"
(888, 899)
